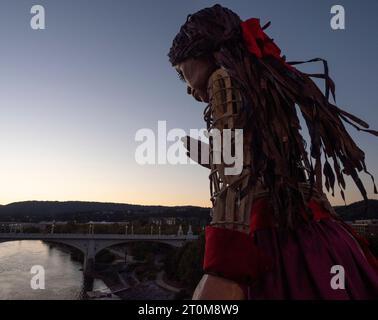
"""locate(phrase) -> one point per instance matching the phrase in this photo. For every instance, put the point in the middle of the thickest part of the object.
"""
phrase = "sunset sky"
(74, 95)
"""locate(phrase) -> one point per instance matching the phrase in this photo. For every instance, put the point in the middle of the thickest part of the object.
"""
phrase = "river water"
(63, 277)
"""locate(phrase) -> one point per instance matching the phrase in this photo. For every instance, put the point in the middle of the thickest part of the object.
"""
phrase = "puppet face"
(196, 72)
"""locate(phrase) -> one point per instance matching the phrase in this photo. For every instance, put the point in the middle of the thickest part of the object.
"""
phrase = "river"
(63, 277)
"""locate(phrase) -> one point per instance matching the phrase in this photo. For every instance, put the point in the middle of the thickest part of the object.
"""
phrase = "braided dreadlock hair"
(273, 88)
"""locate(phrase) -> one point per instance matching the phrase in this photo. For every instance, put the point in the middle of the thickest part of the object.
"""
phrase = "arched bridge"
(91, 244)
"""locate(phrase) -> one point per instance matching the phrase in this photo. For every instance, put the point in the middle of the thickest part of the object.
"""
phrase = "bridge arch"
(124, 242)
(68, 243)
(90, 244)
(104, 245)
(82, 246)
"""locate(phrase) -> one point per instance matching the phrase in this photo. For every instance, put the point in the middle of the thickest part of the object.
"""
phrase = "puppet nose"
(189, 90)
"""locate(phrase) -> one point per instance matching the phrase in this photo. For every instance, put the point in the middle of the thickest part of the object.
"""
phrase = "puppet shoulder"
(220, 79)
(225, 98)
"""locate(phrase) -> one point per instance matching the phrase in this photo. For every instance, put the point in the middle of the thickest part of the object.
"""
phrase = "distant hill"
(57, 207)
(356, 210)
(37, 211)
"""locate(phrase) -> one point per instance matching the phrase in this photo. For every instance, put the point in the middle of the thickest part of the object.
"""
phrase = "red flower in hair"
(258, 43)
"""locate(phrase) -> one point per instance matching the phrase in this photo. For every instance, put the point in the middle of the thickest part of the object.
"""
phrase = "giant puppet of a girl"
(273, 233)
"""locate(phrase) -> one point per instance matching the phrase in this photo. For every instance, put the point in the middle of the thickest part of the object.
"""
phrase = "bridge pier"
(88, 267)
(89, 257)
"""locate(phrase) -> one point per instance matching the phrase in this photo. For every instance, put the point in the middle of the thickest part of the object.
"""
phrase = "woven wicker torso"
(232, 196)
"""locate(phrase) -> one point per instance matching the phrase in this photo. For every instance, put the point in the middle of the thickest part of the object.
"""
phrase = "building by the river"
(366, 228)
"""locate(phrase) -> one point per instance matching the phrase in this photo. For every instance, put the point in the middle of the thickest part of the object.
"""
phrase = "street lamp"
(91, 227)
(180, 232)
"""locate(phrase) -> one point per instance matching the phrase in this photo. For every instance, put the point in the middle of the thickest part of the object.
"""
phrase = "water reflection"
(63, 276)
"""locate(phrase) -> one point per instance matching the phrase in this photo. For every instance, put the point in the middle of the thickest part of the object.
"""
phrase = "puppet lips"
(196, 96)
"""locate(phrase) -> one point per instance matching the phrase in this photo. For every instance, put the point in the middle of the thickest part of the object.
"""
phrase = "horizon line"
(151, 205)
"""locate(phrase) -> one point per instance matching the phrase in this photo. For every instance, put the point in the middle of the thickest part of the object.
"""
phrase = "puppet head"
(272, 90)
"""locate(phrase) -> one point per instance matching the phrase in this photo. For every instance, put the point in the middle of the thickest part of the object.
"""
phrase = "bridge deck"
(56, 236)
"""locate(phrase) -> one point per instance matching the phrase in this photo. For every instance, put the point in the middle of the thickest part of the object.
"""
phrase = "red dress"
(271, 263)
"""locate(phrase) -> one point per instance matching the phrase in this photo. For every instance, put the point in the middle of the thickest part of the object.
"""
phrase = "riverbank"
(134, 280)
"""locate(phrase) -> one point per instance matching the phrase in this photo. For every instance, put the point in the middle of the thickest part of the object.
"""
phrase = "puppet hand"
(195, 154)
(215, 288)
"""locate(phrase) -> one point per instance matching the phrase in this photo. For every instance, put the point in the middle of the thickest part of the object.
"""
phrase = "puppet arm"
(196, 155)
(232, 260)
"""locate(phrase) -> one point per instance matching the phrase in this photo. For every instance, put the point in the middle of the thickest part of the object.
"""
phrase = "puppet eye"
(181, 76)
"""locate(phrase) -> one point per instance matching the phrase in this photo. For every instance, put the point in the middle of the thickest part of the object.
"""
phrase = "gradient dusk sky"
(74, 95)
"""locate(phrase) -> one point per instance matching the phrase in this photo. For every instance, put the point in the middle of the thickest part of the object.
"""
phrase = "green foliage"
(373, 245)
(105, 256)
(144, 250)
(31, 229)
(185, 265)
